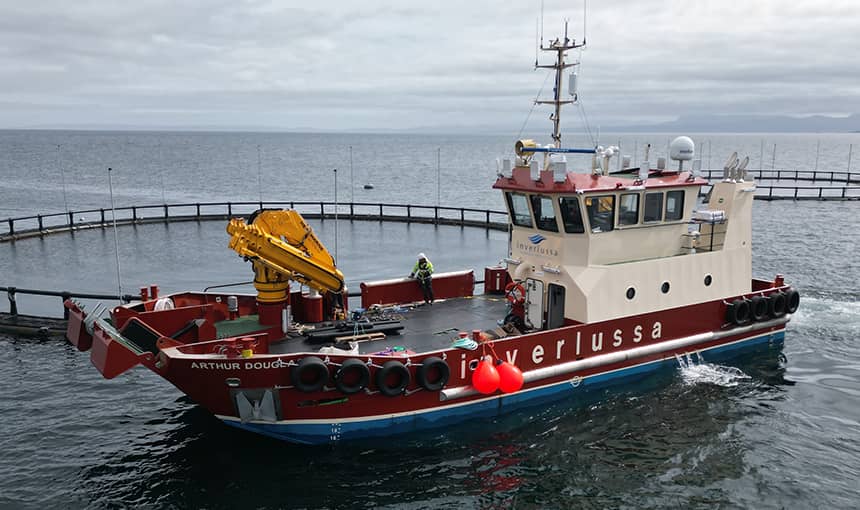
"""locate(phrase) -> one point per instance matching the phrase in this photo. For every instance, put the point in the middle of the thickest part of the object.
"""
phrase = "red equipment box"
(495, 279)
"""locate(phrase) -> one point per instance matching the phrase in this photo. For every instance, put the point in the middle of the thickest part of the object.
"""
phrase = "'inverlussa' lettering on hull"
(597, 343)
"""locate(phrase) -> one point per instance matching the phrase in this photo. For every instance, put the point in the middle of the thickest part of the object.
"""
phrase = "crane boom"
(283, 247)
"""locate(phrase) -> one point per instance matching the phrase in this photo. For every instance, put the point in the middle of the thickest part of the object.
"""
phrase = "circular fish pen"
(184, 246)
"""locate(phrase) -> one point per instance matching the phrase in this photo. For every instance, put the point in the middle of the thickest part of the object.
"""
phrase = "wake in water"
(694, 370)
(840, 316)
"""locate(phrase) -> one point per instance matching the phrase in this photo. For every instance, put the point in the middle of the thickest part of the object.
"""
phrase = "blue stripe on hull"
(320, 433)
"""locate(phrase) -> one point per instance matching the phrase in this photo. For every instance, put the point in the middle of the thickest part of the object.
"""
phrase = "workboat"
(611, 274)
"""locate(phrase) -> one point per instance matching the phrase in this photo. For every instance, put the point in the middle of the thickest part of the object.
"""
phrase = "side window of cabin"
(653, 207)
(571, 215)
(519, 206)
(544, 213)
(674, 205)
(601, 213)
(628, 209)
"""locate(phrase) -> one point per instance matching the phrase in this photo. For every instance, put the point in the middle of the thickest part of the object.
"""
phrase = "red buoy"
(510, 376)
(485, 379)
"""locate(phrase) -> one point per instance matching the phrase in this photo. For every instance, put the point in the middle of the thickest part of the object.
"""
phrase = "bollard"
(65, 295)
(13, 306)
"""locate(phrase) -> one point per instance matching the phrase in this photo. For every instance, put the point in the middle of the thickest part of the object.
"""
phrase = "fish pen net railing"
(45, 224)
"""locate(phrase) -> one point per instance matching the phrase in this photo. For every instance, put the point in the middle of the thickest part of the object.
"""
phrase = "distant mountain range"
(753, 124)
(701, 124)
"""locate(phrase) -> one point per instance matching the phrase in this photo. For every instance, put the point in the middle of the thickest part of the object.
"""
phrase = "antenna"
(584, 18)
(541, 22)
(537, 43)
(115, 236)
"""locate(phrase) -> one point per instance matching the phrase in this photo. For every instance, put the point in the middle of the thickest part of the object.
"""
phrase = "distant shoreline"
(432, 132)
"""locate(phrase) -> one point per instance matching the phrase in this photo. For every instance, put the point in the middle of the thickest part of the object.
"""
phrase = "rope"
(582, 109)
(534, 105)
(585, 121)
(115, 236)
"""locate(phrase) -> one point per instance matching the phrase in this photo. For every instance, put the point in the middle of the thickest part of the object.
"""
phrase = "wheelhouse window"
(674, 205)
(653, 207)
(519, 207)
(601, 213)
(544, 213)
(628, 209)
(571, 215)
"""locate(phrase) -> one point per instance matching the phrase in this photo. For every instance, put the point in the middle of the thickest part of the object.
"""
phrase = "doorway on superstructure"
(555, 307)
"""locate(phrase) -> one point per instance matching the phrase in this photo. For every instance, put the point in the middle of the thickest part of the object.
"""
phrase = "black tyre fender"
(776, 304)
(352, 366)
(426, 372)
(738, 312)
(388, 369)
(792, 301)
(310, 375)
(515, 320)
(759, 308)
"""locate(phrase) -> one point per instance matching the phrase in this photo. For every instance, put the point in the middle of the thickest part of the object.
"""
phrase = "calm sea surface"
(783, 432)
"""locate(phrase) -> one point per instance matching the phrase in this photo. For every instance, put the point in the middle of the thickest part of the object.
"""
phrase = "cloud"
(373, 64)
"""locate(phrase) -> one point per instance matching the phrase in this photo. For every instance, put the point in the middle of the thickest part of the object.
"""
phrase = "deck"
(425, 327)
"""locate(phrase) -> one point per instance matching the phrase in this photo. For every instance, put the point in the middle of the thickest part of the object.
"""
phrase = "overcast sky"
(370, 64)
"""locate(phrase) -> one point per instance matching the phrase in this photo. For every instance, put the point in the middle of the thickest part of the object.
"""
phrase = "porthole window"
(631, 292)
(665, 287)
(708, 280)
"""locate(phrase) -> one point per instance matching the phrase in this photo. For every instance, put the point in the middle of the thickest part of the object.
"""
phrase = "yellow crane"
(282, 247)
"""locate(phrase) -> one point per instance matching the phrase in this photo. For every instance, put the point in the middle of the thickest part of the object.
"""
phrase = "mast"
(560, 47)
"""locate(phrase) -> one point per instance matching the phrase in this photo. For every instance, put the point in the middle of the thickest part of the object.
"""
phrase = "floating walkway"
(38, 326)
(39, 225)
(783, 184)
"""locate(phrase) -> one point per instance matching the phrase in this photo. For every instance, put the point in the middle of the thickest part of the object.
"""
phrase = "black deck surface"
(426, 327)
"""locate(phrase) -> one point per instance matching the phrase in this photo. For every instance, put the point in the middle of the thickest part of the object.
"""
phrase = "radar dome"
(682, 149)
